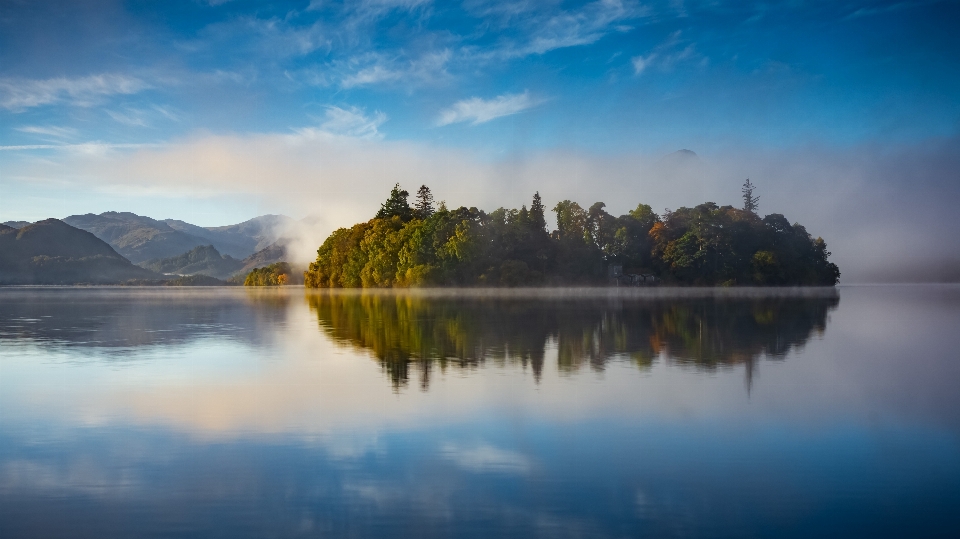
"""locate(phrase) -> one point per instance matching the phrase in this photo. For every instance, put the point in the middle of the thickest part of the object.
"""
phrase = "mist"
(885, 210)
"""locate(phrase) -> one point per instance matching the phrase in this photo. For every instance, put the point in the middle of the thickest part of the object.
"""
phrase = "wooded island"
(707, 245)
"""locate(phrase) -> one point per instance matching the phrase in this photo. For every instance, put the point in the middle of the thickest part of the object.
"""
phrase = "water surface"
(576, 413)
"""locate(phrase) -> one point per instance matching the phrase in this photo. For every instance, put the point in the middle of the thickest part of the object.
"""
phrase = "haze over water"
(251, 413)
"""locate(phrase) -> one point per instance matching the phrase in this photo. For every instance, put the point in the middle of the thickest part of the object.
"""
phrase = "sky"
(844, 113)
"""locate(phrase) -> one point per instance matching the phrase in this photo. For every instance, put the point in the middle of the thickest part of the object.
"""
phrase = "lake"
(229, 412)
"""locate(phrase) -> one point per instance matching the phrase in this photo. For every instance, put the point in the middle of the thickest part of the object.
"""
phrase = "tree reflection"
(420, 331)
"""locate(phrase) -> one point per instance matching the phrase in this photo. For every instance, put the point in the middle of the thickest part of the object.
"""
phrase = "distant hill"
(135, 237)
(16, 224)
(141, 238)
(53, 252)
(203, 260)
(273, 253)
(240, 240)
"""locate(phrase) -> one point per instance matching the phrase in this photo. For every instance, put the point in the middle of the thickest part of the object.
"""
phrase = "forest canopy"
(707, 245)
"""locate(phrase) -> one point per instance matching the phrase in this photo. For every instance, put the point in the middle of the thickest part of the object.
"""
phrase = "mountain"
(53, 252)
(16, 224)
(141, 238)
(275, 252)
(203, 260)
(240, 240)
(135, 237)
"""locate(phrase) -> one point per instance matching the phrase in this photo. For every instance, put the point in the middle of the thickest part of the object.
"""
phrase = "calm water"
(278, 413)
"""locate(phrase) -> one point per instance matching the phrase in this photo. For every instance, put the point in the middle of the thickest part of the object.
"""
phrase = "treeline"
(410, 246)
(277, 274)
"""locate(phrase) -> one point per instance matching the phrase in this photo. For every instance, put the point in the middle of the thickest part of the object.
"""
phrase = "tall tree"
(423, 207)
(396, 205)
(750, 202)
(538, 220)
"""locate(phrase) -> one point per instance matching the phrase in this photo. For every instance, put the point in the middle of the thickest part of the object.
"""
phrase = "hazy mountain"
(16, 224)
(141, 238)
(135, 237)
(240, 240)
(275, 252)
(680, 158)
(203, 260)
(53, 252)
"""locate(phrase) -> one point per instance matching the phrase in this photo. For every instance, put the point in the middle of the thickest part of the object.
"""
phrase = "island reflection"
(706, 330)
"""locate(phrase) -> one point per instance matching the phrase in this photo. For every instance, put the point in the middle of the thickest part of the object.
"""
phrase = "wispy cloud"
(375, 68)
(353, 121)
(551, 29)
(641, 63)
(19, 94)
(53, 131)
(588, 25)
(477, 111)
(666, 55)
(84, 148)
(129, 117)
(879, 10)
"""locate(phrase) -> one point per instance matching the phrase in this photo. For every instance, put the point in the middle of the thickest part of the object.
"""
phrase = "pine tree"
(423, 207)
(396, 205)
(537, 219)
(750, 202)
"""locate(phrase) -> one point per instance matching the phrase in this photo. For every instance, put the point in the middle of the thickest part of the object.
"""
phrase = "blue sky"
(146, 106)
(607, 75)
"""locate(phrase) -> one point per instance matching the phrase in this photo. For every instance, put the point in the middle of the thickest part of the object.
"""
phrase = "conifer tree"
(537, 219)
(750, 202)
(423, 207)
(396, 205)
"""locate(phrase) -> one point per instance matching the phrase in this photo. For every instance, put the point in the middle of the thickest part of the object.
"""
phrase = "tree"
(537, 219)
(423, 207)
(750, 202)
(396, 205)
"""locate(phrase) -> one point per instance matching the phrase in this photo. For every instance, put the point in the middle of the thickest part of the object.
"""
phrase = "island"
(421, 245)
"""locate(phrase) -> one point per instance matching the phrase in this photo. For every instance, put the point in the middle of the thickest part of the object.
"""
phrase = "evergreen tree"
(423, 207)
(396, 205)
(750, 202)
(537, 219)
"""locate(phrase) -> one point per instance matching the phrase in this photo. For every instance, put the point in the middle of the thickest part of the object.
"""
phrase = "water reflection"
(243, 413)
(114, 319)
(706, 331)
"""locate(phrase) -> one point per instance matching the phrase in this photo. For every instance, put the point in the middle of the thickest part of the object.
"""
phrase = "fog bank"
(886, 211)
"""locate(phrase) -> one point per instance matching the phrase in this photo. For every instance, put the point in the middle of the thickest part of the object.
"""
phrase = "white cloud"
(640, 63)
(352, 122)
(18, 94)
(371, 75)
(666, 55)
(49, 131)
(478, 111)
(556, 30)
(84, 148)
(377, 68)
(129, 117)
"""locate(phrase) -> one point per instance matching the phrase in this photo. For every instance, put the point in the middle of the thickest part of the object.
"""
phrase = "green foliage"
(423, 207)
(705, 245)
(750, 202)
(396, 205)
(273, 275)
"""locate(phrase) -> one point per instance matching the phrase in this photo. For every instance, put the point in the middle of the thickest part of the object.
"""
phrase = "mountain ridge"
(141, 239)
(53, 252)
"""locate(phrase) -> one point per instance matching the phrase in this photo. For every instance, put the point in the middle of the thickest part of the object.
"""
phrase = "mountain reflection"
(119, 319)
(421, 331)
